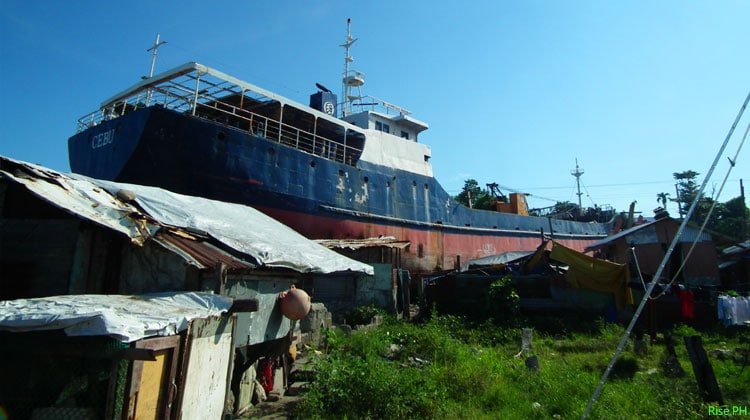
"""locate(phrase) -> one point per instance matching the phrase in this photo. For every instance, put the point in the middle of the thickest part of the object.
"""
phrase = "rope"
(659, 270)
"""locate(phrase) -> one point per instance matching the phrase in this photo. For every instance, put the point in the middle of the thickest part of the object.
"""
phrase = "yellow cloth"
(586, 272)
(535, 259)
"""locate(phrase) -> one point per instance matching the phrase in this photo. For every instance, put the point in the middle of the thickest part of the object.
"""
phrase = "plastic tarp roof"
(504, 258)
(80, 197)
(239, 227)
(125, 317)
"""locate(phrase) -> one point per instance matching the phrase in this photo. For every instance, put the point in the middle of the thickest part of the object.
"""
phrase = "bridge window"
(404, 135)
(382, 127)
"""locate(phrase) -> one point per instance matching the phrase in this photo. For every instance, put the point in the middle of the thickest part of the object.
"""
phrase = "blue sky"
(514, 92)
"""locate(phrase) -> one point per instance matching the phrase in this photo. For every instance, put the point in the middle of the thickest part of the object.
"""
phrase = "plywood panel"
(150, 393)
(152, 380)
(209, 360)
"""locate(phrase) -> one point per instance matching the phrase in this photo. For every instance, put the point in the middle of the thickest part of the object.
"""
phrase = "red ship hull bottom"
(429, 250)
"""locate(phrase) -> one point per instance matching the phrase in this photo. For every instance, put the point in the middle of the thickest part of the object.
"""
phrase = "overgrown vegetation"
(448, 367)
(363, 315)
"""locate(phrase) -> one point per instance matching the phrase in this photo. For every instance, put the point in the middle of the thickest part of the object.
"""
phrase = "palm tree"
(662, 198)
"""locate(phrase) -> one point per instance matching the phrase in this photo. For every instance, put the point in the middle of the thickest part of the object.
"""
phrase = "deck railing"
(205, 104)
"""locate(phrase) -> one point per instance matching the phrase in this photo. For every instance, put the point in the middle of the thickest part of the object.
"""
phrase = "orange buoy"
(295, 304)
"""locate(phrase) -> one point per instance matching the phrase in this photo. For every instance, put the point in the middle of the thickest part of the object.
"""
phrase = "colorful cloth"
(591, 273)
(687, 304)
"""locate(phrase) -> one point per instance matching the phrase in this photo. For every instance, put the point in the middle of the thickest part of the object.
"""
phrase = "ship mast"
(577, 173)
(153, 55)
(350, 78)
(153, 63)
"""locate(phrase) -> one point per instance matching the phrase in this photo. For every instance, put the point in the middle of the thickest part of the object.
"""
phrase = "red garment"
(687, 302)
(265, 371)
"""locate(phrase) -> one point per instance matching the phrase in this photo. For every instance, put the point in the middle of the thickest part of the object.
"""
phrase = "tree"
(566, 210)
(687, 191)
(730, 219)
(662, 198)
(473, 196)
(727, 218)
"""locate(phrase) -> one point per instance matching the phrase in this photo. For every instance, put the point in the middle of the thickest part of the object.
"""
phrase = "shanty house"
(389, 288)
(645, 245)
(685, 291)
(64, 234)
(735, 267)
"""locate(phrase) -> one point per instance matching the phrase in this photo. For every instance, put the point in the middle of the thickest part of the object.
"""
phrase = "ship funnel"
(324, 101)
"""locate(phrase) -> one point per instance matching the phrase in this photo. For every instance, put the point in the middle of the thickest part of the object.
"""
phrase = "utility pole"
(744, 212)
(577, 173)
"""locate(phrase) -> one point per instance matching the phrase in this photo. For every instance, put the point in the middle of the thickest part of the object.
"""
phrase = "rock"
(532, 363)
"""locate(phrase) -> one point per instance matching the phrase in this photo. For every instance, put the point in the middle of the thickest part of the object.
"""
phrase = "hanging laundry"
(733, 310)
(687, 303)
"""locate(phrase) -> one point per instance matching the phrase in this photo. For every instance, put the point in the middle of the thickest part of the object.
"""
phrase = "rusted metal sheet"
(200, 253)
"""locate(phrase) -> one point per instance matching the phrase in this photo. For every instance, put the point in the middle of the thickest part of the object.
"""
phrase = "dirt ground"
(278, 407)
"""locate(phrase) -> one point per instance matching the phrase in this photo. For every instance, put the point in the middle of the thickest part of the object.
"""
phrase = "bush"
(503, 303)
(363, 315)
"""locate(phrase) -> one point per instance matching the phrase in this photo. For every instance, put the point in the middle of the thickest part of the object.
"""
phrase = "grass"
(450, 368)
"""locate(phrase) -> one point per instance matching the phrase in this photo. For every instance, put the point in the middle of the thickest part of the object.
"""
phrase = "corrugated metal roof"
(386, 242)
(200, 253)
(740, 248)
(689, 234)
(612, 238)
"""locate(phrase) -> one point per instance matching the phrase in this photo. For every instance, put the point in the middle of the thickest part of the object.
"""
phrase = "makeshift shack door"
(151, 389)
(207, 366)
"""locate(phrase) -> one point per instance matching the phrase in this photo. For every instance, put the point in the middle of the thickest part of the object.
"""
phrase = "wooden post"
(704, 373)
(672, 366)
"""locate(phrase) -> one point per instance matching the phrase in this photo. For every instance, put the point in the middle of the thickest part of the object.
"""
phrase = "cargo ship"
(349, 169)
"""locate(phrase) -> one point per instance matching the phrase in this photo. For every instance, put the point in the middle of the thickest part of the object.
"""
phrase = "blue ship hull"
(319, 197)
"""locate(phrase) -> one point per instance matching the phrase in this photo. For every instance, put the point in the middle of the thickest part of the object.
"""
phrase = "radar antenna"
(350, 78)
